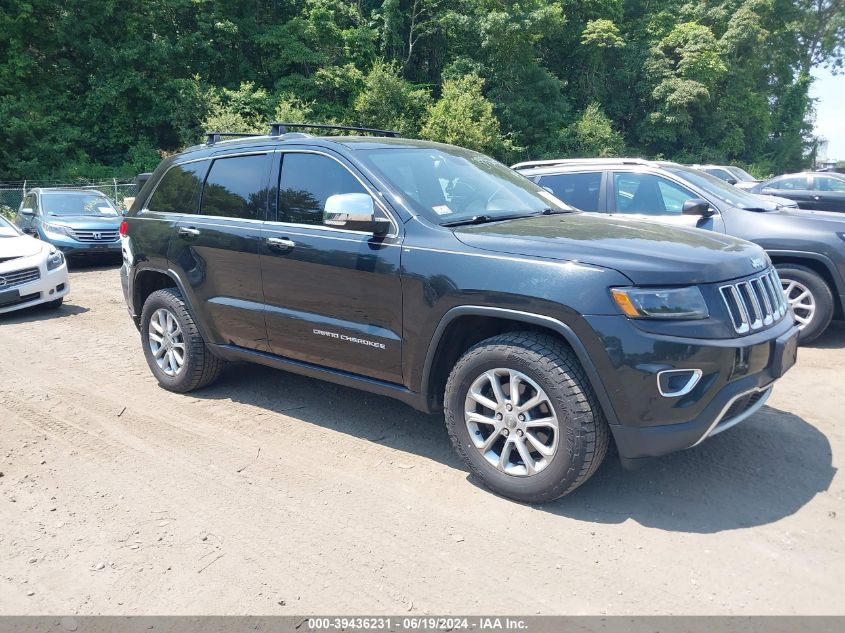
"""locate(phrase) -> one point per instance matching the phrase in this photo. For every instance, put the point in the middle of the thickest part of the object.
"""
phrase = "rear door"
(216, 250)
(829, 193)
(647, 196)
(333, 296)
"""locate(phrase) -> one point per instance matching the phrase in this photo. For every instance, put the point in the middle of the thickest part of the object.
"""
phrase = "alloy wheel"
(511, 422)
(801, 300)
(167, 342)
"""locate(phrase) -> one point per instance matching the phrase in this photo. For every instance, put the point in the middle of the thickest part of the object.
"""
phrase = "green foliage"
(592, 134)
(463, 116)
(101, 88)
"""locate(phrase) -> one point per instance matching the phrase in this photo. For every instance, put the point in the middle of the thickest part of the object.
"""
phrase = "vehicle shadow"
(763, 470)
(41, 313)
(833, 338)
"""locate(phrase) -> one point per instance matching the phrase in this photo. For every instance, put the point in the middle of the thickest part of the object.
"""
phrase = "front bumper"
(49, 286)
(736, 378)
(72, 247)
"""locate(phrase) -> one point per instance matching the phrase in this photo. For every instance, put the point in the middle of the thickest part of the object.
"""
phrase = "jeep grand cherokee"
(440, 277)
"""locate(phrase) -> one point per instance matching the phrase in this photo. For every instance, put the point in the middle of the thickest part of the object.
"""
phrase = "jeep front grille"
(18, 278)
(86, 235)
(755, 303)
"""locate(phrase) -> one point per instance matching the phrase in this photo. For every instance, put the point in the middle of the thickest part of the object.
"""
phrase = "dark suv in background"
(822, 191)
(440, 277)
(807, 248)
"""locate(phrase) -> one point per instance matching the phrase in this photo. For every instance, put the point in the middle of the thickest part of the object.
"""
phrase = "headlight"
(56, 228)
(661, 303)
(55, 259)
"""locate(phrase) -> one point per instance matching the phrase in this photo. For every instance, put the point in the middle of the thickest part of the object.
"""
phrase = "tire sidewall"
(509, 485)
(169, 301)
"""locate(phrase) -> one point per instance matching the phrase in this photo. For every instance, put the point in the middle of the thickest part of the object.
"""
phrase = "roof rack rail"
(215, 137)
(277, 129)
(582, 161)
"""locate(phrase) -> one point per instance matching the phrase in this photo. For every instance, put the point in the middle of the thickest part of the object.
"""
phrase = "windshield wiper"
(483, 219)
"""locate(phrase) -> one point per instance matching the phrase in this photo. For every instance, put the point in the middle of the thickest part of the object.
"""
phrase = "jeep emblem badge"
(757, 262)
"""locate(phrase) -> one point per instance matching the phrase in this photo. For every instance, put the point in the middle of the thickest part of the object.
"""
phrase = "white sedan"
(31, 271)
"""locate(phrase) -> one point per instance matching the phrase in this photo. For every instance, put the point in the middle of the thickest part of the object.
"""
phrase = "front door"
(795, 187)
(333, 297)
(829, 193)
(216, 252)
(648, 196)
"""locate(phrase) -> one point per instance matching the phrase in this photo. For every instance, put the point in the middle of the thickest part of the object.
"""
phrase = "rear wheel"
(175, 351)
(523, 416)
(810, 298)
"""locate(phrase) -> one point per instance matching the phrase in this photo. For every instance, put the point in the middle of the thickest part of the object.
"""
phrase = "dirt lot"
(269, 493)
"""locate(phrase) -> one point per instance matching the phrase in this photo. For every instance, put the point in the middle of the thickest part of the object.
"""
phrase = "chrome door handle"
(188, 231)
(280, 243)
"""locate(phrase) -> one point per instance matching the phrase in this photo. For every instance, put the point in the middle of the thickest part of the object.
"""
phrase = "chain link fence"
(116, 189)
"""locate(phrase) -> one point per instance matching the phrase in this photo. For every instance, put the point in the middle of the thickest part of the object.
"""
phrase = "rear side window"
(236, 187)
(581, 191)
(829, 183)
(178, 191)
(307, 180)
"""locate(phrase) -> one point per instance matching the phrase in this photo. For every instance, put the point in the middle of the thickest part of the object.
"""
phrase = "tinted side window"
(306, 182)
(828, 183)
(647, 194)
(790, 184)
(178, 190)
(236, 187)
(579, 190)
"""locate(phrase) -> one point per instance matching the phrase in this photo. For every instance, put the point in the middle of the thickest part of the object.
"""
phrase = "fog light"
(674, 383)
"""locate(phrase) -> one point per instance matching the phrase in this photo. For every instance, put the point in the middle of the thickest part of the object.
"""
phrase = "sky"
(829, 91)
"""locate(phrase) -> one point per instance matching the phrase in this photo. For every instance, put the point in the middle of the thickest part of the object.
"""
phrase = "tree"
(390, 102)
(592, 134)
(463, 116)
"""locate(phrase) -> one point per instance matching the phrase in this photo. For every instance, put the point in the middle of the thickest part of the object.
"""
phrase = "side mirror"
(697, 206)
(731, 181)
(767, 191)
(28, 211)
(354, 212)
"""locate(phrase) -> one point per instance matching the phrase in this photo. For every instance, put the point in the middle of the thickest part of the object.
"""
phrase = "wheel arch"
(464, 326)
(148, 280)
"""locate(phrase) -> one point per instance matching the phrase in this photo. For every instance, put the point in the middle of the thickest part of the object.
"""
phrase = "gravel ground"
(269, 493)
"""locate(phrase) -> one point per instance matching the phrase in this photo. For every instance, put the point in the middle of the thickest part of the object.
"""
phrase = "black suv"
(807, 247)
(440, 277)
(823, 191)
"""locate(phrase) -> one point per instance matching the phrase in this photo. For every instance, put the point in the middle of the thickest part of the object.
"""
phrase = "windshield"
(451, 185)
(741, 174)
(7, 229)
(722, 190)
(89, 204)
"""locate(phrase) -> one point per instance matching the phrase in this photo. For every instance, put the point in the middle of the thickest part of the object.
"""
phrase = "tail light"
(124, 228)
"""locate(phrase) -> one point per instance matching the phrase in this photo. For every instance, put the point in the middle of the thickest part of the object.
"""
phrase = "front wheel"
(174, 349)
(521, 413)
(810, 298)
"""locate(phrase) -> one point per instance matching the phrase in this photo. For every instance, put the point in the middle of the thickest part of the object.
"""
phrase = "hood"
(778, 201)
(85, 221)
(646, 252)
(833, 220)
(19, 246)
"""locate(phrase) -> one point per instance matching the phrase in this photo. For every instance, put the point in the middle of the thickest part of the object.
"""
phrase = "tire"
(820, 297)
(582, 432)
(199, 366)
(55, 304)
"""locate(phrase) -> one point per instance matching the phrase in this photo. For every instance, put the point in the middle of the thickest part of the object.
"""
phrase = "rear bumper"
(736, 379)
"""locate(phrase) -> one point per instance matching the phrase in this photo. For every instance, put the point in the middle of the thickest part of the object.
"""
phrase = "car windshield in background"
(77, 204)
(7, 229)
(741, 174)
(453, 185)
(722, 190)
